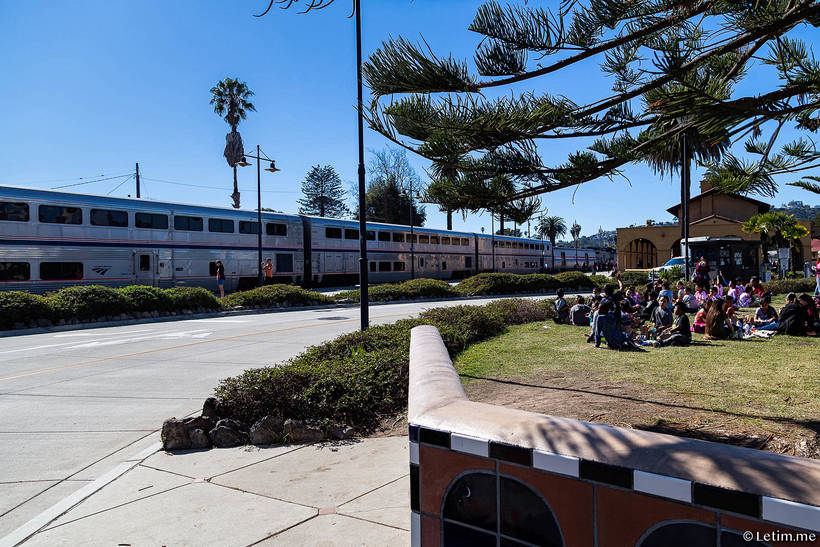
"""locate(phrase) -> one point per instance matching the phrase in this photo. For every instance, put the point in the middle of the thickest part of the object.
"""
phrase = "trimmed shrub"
(574, 280)
(22, 307)
(407, 290)
(276, 294)
(191, 298)
(87, 302)
(144, 298)
(360, 377)
(599, 280)
(634, 278)
(783, 286)
(505, 283)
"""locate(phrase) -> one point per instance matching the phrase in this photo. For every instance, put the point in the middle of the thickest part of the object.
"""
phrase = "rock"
(123, 317)
(61, 322)
(341, 431)
(227, 434)
(205, 423)
(145, 314)
(267, 430)
(43, 323)
(209, 407)
(175, 435)
(19, 325)
(301, 431)
(199, 439)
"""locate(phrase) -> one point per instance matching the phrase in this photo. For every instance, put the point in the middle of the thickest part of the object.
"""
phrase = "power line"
(212, 187)
(120, 184)
(92, 181)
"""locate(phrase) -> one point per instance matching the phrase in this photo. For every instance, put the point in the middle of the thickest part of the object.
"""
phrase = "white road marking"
(68, 334)
(132, 339)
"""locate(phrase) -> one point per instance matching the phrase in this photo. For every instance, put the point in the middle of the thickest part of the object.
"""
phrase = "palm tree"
(575, 231)
(551, 227)
(230, 100)
(778, 228)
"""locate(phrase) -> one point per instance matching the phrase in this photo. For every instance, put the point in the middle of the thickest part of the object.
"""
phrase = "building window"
(16, 212)
(54, 214)
(333, 233)
(151, 221)
(105, 217)
(188, 224)
(220, 225)
(52, 271)
(15, 271)
(246, 227)
(351, 234)
(384, 236)
(275, 229)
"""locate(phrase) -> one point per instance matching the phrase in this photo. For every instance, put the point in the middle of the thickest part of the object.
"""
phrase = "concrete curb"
(238, 313)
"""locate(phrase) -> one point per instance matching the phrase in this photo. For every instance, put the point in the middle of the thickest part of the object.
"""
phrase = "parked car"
(655, 273)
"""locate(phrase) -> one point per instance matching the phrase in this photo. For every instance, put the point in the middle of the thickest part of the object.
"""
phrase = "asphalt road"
(75, 404)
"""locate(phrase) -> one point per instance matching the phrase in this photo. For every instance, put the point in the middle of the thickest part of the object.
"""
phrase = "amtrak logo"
(101, 270)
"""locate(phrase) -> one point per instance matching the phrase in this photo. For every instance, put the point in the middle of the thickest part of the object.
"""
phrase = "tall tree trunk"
(552, 246)
(449, 219)
(235, 195)
(501, 223)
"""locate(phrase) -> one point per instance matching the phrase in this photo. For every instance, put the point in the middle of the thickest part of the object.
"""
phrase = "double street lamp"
(412, 236)
(259, 157)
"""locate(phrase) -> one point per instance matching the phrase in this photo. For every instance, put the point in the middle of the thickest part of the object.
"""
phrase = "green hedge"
(143, 298)
(192, 298)
(276, 294)
(506, 283)
(359, 378)
(88, 302)
(783, 286)
(22, 307)
(407, 290)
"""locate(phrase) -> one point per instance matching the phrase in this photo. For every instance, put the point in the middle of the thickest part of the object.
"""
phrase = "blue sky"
(91, 87)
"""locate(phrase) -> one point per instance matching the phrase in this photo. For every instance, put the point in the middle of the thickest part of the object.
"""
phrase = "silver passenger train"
(52, 239)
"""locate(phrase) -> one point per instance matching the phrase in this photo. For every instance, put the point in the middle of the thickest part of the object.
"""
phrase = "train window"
(333, 233)
(351, 234)
(508, 245)
(412, 238)
(372, 266)
(495, 243)
(370, 235)
(273, 229)
(212, 268)
(15, 271)
(105, 217)
(17, 212)
(145, 263)
(384, 236)
(468, 262)
(151, 221)
(443, 265)
(445, 240)
(246, 227)
(55, 214)
(421, 262)
(424, 239)
(398, 266)
(188, 224)
(221, 225)
(50, 271)
(503, 265)
(384, 266)
(465, 241)
(433, 240)
(398, 237)
(284, 262)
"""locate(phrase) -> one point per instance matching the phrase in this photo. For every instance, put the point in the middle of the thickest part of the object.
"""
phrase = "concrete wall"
(481, 474)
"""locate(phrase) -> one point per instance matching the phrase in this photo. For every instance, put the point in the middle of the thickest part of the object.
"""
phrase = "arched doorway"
(640, 253)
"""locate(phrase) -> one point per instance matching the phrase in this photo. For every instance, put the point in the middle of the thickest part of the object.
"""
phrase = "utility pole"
(138, 180)
(363, 296)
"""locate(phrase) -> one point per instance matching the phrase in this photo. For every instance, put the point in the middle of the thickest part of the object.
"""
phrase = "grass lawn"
(760, 393)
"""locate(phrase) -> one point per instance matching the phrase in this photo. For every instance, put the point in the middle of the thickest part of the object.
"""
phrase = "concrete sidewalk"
(354, 492)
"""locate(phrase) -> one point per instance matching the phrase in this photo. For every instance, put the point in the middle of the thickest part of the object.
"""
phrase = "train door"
(145, 268)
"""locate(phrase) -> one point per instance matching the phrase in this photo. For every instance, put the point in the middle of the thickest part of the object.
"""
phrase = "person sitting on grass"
(699, 326)
(636, 296)
(765, 316)
(689, 300)
(650, 306)
(661, 316)
(746, 298)
(757, 289)
(579, 313)
(701, 295)
(561, 308)
(678, 334)
(718, 326)
(667, 292)
(793, 316)
(606, 324)
(734, 291)
(680, 286)
(714, 293)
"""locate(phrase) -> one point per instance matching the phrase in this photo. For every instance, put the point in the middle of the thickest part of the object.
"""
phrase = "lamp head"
(272, 167)
(242, 162)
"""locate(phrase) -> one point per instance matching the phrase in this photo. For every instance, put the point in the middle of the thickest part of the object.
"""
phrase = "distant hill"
(800, 210)
(608, 240)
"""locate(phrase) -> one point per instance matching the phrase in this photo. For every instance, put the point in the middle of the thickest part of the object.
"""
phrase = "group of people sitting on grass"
(659, 317)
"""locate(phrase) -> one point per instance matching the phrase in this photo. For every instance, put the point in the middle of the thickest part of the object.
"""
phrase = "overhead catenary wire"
(162, 181)
(120, 184)
(92, 181)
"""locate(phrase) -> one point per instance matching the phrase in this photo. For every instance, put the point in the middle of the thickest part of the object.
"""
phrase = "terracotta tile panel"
(738, 524)
(569, 499)
(624, 516)
(430, 532)
(438, 468)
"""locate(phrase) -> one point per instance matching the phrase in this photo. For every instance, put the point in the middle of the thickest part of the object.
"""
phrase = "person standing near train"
(220, 278)
(267, 268)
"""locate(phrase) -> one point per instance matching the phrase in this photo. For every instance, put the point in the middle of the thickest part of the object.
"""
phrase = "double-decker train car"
(53, 239)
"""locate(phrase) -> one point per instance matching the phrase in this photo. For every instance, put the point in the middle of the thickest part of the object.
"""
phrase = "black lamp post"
(259, 157)
(412, 236)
